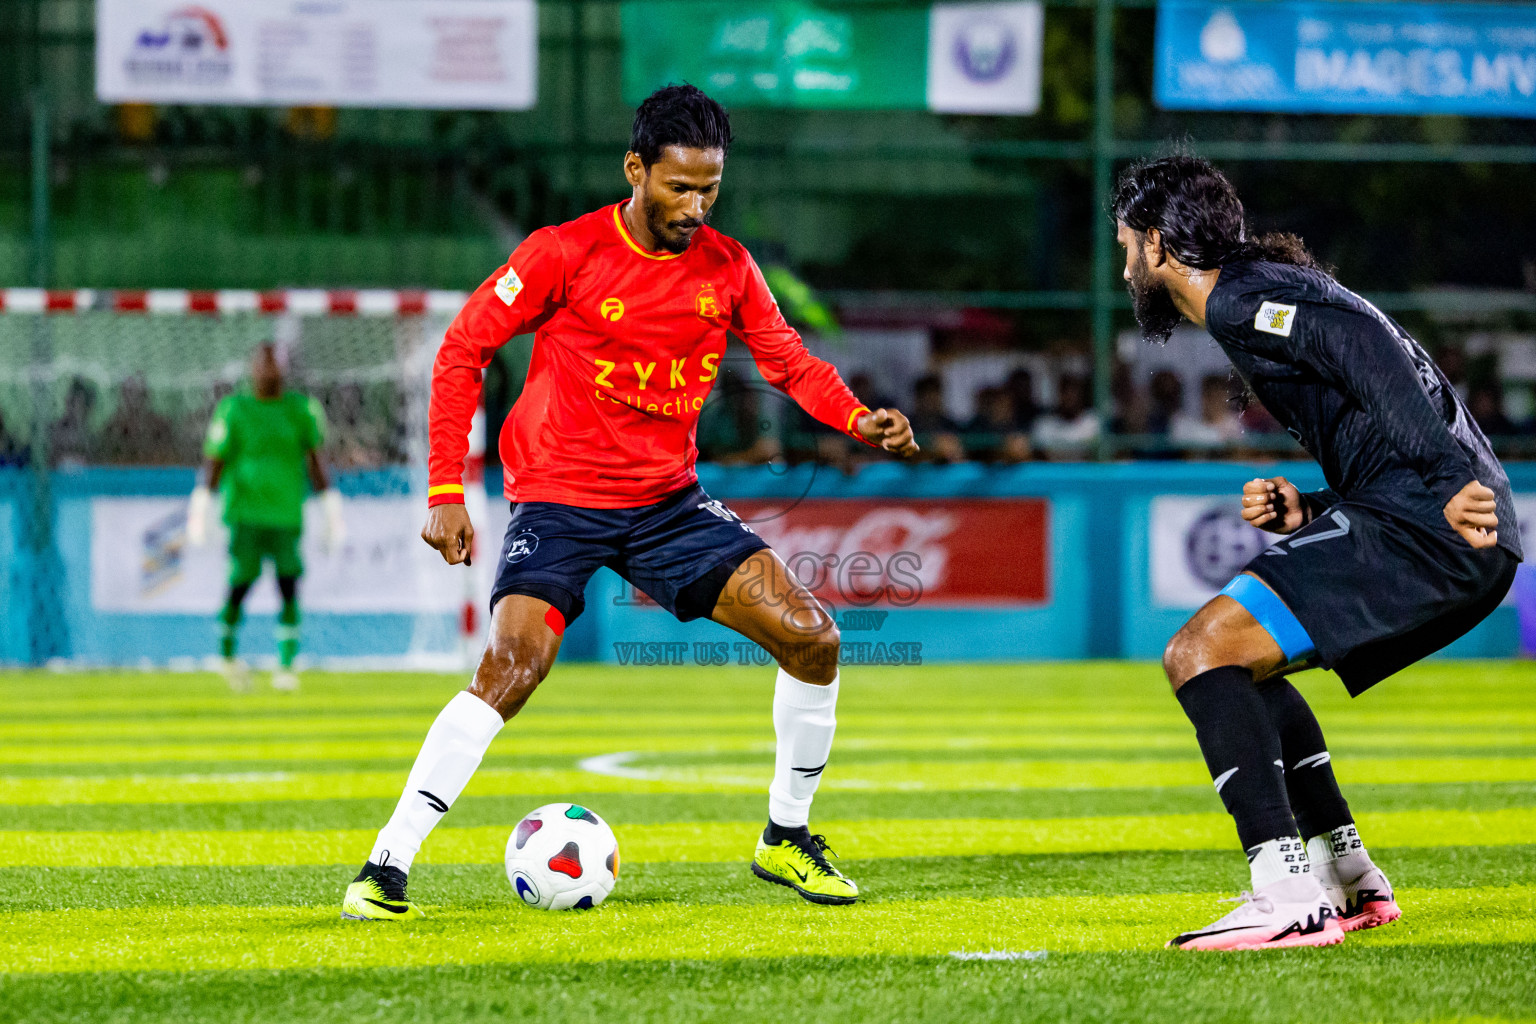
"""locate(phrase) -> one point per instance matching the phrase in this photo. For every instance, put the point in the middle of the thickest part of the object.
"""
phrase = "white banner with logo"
(1197, 543)
(141, 562)
(984, 58)
(469, 54)
(1525, 511)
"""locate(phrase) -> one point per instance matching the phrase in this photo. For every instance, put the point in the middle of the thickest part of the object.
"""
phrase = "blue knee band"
(1271, 613)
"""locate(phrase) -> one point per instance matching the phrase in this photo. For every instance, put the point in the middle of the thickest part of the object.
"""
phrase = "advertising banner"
(142, 564)
(1336, 57)
(1197, 543)
(964, 58)
(1523, 594)
(465, 54)
(13, 613)
(882, 553)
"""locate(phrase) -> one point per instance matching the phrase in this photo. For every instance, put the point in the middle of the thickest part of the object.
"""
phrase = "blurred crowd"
(1010, 424)
(1022, 416)
(364, 427)
(1156, 413)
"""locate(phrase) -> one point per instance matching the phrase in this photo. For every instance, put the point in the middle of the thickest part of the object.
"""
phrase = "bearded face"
(1152, 302)
(672, 234)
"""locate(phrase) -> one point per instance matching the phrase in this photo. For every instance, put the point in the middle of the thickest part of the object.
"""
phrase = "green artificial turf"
(169, 851)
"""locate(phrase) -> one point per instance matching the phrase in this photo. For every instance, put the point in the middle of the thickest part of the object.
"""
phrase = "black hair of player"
(679, 115)
(1198, 214)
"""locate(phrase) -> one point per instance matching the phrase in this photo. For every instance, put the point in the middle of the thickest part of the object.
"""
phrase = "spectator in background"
(1256, 419)
(837, 449)
(1164, 403)
(12, 451)
(356, 442)
(1072, 429)
(864, 389)
(994, 432)
(1166, 392)
(936, 432)
(1452, 360)
(1486, 403)
(191, 428)
(1130, 411)
(70, 442)
(733, 428)
(1020, 387)
(1217, 426)
(137, 435)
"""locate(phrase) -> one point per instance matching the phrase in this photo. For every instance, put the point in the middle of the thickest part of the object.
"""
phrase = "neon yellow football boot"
(378, 894)
(799, 861)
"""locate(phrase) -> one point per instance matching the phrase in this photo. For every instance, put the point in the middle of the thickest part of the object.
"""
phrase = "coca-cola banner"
(905, 553)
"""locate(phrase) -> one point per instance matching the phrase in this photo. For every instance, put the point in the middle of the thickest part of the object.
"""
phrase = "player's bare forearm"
(213, 472)
(1274, 505)
(888, 429)
(318, 478)
(1473, 514)
(449, 531)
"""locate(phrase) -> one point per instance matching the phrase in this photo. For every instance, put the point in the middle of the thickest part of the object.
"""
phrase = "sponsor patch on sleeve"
(508, 285)
(1275, 318)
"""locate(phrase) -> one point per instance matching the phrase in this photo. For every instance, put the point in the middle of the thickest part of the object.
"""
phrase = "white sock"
(804, 719)
(1338, 857)
(1279, 860)
(449, 756)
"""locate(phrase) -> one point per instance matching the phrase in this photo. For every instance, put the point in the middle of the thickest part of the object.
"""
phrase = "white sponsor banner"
(1198, 543)
(1525, 511)
(474, 54)
(984, 58)
(142, 564)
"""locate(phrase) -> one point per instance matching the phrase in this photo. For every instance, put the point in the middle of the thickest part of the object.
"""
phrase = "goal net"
(105, 398)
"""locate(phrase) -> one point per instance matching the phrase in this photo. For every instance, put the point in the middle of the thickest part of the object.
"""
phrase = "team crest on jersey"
(508, 285)
(1275, 318)
(708, 303)
(611, 309)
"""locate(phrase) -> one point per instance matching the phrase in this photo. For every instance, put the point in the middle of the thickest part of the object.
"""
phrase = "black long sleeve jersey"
(1359, 394)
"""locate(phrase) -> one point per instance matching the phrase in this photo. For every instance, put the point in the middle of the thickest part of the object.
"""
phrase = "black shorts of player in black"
(1412, 544)
(678, 551)
(1376, 592)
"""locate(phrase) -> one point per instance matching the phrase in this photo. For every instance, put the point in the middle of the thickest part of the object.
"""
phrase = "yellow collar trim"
(618, 222)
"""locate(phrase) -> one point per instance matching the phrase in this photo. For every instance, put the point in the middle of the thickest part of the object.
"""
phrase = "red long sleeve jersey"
(628, 345)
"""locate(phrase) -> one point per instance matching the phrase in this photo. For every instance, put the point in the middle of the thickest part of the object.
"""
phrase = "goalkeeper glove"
(335, 525)
(197, 516)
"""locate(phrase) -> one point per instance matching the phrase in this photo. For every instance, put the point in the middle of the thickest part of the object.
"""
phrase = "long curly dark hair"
(1197, 212)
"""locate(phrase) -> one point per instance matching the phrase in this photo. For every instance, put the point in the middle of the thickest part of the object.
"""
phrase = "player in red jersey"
(631, 305)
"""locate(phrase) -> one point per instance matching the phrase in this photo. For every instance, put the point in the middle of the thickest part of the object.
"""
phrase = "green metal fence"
(876, 208)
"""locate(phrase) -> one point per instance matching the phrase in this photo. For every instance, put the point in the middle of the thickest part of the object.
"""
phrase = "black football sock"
(1242, 751)
(229, 619)
(776, 833)
(288, 621)
(1316, 802)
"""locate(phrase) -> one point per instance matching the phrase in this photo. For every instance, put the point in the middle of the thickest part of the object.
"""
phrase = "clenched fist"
(1274, 505)
(889, 429)
(449, 531)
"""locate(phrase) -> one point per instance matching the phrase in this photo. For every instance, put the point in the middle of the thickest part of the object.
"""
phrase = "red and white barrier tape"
(177, 301)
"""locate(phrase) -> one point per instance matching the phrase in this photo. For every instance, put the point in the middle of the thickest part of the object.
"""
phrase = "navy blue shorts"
(679, 551)
(1375, 592)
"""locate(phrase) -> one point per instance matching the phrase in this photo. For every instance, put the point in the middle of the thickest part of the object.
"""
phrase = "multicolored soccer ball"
(562, 857)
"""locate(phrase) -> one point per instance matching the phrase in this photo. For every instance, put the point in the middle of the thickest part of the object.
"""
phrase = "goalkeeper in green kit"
(263, 454)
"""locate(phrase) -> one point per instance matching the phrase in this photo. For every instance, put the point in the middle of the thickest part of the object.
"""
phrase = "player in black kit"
(1413, 543)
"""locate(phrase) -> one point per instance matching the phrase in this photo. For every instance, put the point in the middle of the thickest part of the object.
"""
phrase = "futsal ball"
(562, 857)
